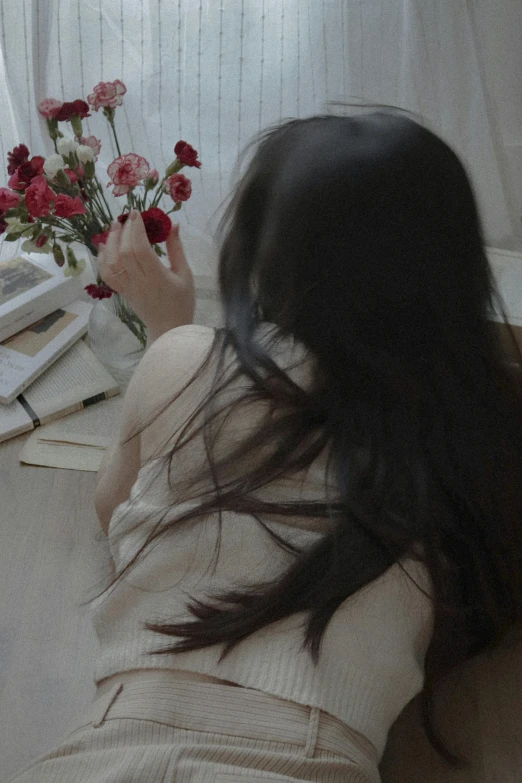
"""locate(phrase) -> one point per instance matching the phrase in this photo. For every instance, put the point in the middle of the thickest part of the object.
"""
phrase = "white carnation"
(66, 146)
(84, 153)
(53, 164)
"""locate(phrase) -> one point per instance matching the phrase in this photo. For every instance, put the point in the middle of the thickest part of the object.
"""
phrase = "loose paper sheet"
(77, 442)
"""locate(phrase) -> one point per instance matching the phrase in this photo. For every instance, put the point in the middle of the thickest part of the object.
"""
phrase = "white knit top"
(372, 655)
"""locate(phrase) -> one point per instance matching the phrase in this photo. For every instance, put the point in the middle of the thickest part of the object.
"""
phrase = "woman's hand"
(163, 297)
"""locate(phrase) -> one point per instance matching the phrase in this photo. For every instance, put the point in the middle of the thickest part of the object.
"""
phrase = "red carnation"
(26, 172)
(73, 177)
(157, 224)
(39, 198)
(69, 108)
(67, 207)
(100, 239)
(187, 154)
(8, 199)
(15, 158)
(102, 291)
(81, 108)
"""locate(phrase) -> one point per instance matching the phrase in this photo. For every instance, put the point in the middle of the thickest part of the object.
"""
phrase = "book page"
(96, 425)
(75, 377)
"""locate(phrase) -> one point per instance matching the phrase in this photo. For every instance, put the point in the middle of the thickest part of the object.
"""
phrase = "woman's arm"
(164, 298)
(122, 461)
(148, 420)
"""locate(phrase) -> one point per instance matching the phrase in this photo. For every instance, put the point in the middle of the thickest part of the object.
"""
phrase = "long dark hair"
(360, 238)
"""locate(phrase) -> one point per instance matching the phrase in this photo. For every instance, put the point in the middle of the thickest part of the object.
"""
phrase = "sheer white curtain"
(215, 72)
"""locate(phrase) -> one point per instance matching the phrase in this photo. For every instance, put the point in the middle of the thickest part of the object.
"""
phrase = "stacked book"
(46, 370)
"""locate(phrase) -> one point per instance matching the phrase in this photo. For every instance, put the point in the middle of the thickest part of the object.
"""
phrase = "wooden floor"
(52, 553)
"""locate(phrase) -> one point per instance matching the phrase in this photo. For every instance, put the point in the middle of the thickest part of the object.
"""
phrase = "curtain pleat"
(216, 72)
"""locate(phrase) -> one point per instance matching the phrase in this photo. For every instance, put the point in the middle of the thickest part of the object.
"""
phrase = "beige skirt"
(156, 727)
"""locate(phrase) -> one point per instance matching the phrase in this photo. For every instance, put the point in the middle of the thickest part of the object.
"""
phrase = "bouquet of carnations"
(56, 201)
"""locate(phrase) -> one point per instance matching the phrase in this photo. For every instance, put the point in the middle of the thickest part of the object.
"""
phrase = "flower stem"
(111, 123)
(131, 320)
(159, 193)
(104, 199)
(94, 195)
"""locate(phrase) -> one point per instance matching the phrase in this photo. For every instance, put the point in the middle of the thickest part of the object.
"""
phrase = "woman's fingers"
(112, 274)
(134, 246)
(112, 245)
(176, 254)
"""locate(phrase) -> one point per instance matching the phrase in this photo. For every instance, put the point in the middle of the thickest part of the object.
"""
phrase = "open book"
(29, 353)
(77, 380)
(30, 288)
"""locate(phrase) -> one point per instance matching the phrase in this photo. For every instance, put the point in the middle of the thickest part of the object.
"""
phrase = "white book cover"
(30, 352)
(32, 286)
(75, 381)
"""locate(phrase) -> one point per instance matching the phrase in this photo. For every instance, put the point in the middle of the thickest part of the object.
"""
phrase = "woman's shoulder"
(183, 339)
(173, 355)
(165, 371)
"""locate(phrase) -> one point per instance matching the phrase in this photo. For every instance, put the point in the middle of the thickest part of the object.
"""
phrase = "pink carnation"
(180, 188)
(126, 172)
(66, 206)
(153, 177)
(93, 143)
(107, 95)
(48, 106)
(8, 199)
(39, 197)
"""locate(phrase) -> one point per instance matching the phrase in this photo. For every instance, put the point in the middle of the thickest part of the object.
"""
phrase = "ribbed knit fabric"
(372, 654)
(371, 661)
(232, 735)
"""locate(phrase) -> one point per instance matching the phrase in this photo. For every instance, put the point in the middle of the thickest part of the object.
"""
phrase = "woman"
(317, 507)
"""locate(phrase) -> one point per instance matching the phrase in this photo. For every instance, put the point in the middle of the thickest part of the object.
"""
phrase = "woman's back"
(372, 655)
